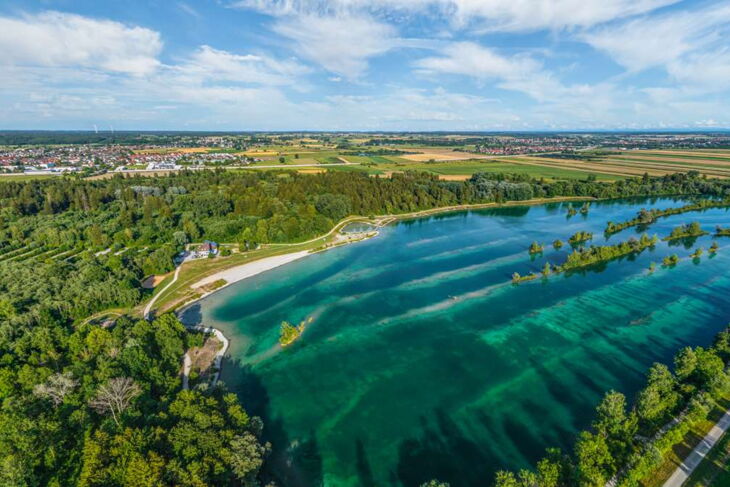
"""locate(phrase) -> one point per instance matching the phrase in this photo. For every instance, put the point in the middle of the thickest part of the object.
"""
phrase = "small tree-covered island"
(148, 318)
(290, 333)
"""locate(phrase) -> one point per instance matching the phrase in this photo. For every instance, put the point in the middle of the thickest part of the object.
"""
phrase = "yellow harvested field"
(669, 167)
(454, 177)
(311, 171)
(261, 153)
(442, 155)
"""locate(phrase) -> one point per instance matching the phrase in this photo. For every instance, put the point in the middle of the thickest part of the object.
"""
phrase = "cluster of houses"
(54, 160)
(60, 159)
(511, 145)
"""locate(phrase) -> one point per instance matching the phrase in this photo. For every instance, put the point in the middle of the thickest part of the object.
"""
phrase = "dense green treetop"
(91, 406)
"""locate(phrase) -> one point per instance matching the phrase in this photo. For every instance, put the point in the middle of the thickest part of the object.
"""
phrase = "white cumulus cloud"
(58, 39)
(210, 64)
(474, 60)
(342, 44)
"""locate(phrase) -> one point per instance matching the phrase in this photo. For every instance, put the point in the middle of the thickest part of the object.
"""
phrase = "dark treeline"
(630, 442)
(266, 206)
(596, 254)
(92, 406)
(70, 248)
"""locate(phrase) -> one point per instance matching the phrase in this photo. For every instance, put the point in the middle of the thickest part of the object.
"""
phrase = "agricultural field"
(603, 166)
(459, 161)
(4, 178)
(39, 253)
(439, 154)
(457, 170)
(456, 164)
(636, 163)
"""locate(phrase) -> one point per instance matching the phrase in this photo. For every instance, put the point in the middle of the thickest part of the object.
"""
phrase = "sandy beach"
(250, 269)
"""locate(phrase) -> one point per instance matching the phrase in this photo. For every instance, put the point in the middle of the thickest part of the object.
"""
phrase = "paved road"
(698, 454)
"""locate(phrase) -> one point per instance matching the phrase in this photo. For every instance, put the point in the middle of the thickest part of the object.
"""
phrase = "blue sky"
(365, 64)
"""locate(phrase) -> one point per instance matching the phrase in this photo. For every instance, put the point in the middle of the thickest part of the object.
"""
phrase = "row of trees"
(584, 257)
(647, 217)
(595, 254)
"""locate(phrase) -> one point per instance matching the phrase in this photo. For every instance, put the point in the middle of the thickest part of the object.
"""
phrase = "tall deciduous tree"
(115, 396)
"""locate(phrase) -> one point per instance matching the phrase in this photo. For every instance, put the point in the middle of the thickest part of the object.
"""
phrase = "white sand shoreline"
(255, 267)
(250, 269)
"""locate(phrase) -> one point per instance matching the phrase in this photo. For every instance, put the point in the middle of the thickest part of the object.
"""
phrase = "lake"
(423, 361)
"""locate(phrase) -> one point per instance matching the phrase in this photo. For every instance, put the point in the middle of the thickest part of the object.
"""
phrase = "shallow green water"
(423, 361)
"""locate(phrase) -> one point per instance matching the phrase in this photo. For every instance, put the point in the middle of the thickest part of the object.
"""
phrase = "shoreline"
(235, 274)
(244, 271)
(249, 269)
(241, 272)
(483, 206)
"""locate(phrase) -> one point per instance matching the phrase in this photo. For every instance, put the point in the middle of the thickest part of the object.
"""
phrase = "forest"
(90, 406)
(85, 405)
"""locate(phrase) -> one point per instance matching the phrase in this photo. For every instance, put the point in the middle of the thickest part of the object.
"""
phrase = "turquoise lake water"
(423, 360)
